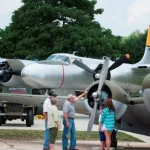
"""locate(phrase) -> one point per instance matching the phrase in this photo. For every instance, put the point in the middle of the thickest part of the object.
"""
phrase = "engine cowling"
(146, 82)
(146, 91)
(109, 90)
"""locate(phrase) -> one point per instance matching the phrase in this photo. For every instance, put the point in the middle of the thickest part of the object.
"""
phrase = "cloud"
(7, 7)
(138, 11)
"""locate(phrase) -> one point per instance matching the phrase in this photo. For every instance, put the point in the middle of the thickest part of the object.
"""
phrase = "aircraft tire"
(33, 120)
(4, 121)
(1, 117)
(30, 118)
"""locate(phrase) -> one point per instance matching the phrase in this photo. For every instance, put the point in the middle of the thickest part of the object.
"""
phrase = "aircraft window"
(51, 57)
(66, 60)
(59, 57)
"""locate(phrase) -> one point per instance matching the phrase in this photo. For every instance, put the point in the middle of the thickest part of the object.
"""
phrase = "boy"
(101, 133)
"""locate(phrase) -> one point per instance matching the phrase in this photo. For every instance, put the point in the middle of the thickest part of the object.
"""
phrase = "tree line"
(42, 27)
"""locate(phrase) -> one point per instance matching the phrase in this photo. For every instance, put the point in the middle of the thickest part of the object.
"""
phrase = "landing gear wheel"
(33, 120)
(1, 117)
(4, 121)
(30, 117)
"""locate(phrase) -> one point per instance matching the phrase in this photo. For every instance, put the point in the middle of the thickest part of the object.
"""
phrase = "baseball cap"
(51, 93)
(71, 96)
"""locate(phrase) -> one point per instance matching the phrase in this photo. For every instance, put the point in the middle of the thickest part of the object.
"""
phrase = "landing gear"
(2, 119)
(30, 117)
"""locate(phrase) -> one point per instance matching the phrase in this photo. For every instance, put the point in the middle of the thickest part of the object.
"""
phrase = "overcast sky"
(121, 16)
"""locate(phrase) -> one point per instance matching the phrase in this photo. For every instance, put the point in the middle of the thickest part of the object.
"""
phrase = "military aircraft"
(127, 84)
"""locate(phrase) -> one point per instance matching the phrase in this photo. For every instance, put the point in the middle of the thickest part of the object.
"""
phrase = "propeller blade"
(103, 74)
(82, 65)
(119, 62)
(92, 117)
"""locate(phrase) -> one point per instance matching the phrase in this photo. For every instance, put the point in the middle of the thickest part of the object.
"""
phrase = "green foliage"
(42, 27)
(135, 45)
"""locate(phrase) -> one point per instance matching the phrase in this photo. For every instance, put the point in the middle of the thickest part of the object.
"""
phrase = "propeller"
(82, 65)
(96, 95)
(6, 72)
(103, 75)
(116, 64)
(119, 62)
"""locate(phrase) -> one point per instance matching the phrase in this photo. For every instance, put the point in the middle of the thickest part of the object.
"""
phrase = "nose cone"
(42, 76)
(28, 75)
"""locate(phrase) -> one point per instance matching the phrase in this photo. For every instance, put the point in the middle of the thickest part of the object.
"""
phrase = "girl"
(108, 121)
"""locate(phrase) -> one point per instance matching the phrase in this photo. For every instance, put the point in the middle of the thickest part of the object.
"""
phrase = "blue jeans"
(66, 131)
(46, 136)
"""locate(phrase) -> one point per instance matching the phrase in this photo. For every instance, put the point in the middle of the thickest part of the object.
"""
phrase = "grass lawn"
(38, 135)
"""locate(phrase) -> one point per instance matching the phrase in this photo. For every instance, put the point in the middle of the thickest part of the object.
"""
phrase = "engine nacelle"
(109, 90)
(9, 79)
(146, 82)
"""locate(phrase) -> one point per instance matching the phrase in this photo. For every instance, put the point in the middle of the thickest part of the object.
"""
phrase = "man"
(54, 123)
(68, 121)
(46, 106)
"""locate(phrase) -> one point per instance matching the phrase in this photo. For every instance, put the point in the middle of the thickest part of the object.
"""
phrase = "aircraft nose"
(42, 76)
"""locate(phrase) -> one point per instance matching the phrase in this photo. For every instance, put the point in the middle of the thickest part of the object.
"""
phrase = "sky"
(121, 16)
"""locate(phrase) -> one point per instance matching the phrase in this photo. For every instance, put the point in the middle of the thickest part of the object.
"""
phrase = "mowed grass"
(38, 135)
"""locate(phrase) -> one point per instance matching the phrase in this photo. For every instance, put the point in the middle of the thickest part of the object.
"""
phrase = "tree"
(135, 45)
(42, 27)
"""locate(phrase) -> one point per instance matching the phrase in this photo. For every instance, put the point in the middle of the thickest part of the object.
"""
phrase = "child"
(54, 123)
(101, 133)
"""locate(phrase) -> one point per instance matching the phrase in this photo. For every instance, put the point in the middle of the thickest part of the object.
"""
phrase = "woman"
(108, 121)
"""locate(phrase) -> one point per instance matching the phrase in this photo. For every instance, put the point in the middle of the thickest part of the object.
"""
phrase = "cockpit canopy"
(63, 58)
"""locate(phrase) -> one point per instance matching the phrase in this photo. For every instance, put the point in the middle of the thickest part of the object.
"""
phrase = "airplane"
(127, 84)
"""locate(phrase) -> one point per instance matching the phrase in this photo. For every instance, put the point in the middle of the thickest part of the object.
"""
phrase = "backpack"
(114, 139)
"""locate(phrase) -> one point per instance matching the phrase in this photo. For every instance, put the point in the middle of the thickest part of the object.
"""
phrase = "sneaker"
(74, 149)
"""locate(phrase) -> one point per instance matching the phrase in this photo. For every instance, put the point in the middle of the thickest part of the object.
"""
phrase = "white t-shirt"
(102, 126)
(46, 105)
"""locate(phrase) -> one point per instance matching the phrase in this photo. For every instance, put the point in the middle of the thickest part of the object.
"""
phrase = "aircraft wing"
(26, 99)
(35, 100)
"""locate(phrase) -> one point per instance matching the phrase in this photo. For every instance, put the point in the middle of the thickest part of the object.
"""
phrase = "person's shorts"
(102, 136)
(104, 128)
(53, 135)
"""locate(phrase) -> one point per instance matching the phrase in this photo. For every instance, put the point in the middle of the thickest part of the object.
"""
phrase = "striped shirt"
(108, 119)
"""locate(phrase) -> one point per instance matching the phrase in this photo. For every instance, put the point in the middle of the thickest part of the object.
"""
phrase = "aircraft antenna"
(75, 52)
